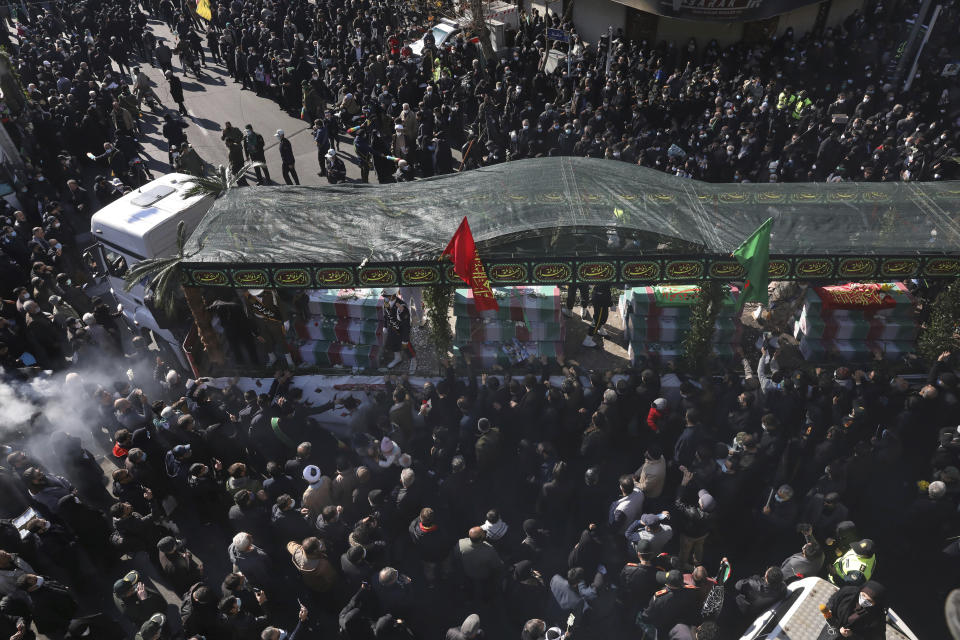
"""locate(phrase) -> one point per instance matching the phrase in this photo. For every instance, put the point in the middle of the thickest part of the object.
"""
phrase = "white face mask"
(40, 582)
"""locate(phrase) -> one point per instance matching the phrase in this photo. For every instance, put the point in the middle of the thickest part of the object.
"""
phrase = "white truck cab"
(798, 617)
(143, 224)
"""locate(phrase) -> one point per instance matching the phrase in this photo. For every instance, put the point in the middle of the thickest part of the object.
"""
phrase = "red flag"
(467, 265)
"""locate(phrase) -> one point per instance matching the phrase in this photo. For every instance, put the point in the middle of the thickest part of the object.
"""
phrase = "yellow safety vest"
(800, 106)
(850, 561)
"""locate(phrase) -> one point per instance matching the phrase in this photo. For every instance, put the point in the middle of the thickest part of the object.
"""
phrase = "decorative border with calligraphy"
(640, 270)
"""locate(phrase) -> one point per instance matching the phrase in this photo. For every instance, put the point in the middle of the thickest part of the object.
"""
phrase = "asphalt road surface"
(214, 99)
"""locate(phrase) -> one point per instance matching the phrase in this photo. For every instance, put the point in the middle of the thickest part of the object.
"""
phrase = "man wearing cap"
(676, 603)
(334, 168)
(152, 628)
(650, 527)
(638, 580)
(253, 147)
(287, 161)
(859, 558)
(135, 600)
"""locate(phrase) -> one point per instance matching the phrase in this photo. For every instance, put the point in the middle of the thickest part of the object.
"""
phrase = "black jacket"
(201, 619)
(691, 520)
(286, 152)
(639, 583)
(866, 624)
(754, 595)
(669, 607)
(432, 544)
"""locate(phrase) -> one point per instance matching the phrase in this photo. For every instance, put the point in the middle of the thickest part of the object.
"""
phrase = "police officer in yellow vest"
(860, 559)
(801, 104)
(785, 100)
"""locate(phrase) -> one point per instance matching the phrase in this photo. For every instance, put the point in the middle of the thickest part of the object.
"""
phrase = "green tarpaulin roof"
(571, 207)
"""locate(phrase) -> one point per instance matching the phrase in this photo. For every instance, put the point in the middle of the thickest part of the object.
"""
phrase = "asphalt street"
(214, 99)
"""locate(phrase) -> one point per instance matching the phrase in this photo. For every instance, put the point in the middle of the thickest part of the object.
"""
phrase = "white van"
(143, 224)
(798, 617)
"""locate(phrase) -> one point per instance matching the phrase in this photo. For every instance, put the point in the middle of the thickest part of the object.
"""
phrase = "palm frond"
(181, 238)
(218, 183)
(149, 269)
(206, 186)
(165, 287)
(162, 274)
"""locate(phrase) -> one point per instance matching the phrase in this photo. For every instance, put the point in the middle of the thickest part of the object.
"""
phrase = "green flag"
(754, 256)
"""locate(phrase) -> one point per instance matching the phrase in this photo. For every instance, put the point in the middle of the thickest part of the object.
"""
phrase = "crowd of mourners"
(571, 503)
(827, 105)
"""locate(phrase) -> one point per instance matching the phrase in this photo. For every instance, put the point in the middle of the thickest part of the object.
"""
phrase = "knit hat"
(311, 473)
(660, 404)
